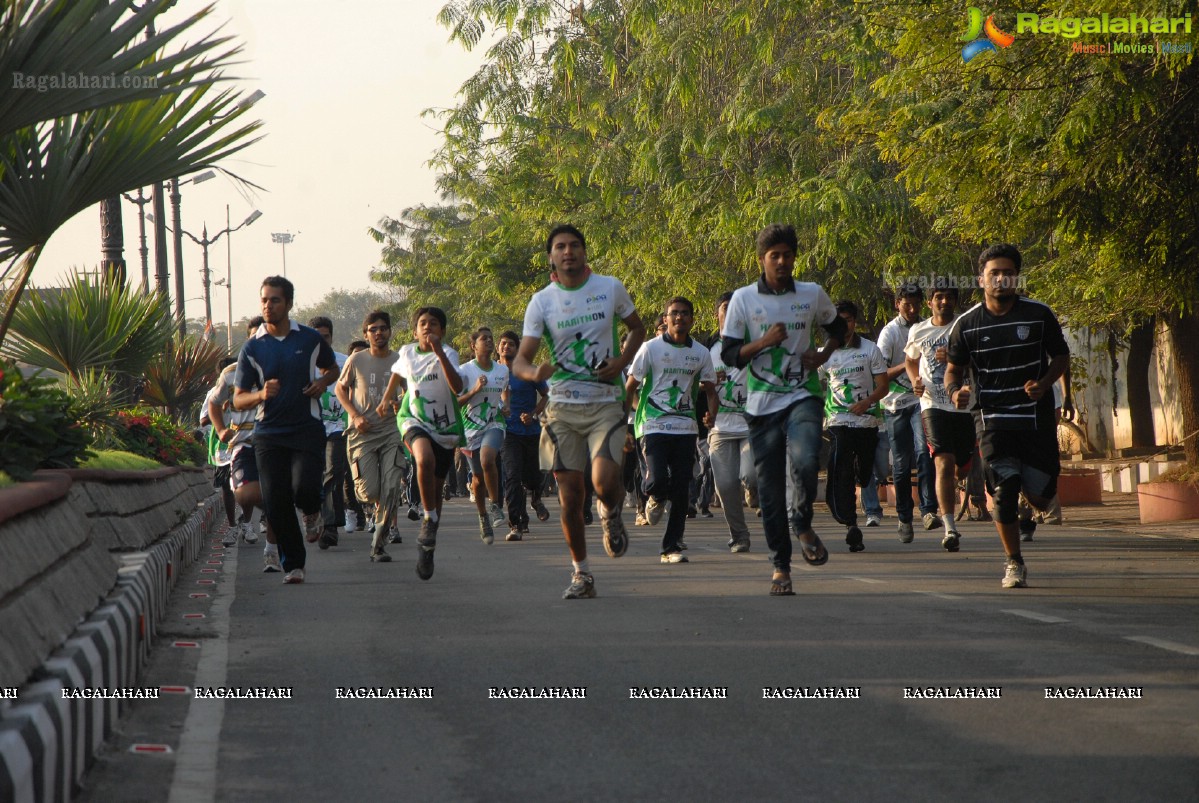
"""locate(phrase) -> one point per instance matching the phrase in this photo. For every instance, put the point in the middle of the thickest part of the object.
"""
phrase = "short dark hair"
(436, 312)
(475, 335)
(777, 234)
(909, 290)
(1000, 251)
(376, 315)
(847, 308)
(358, 345)
(253, 324)
(227, 360)
(943, 284)
(679, 300)
(724, 298)
(289, 289)
(563, 228)
(508, 334)
(321, 322)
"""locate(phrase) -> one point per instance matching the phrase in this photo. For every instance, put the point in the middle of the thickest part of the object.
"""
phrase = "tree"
(66, 150)
(346, 309)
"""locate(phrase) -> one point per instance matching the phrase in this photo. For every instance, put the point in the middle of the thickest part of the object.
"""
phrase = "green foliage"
(180, 378)
(118, 460)
(151, 434)
(92, 324)
(38, 428)
(346, 309)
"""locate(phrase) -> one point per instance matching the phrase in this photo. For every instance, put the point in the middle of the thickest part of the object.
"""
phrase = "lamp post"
(204, 241)
(284, 238)
(141, 200)
(180, 302)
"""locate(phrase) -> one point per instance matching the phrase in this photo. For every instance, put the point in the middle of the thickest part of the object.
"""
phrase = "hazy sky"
(345, 144)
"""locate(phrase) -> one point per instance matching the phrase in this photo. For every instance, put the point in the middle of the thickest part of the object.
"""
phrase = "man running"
(585, 420)
(1014, 351)
(333, 510)
(375, 448)
(522, 469)
(484, 386)
(728, 441)
(275, 370)
(770, 331)
(671, 370)
(948, 430)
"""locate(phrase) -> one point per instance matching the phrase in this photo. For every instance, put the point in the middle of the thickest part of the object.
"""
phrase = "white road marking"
(1172, 646)
(938, 595)
(867, 580)
(1036, 617)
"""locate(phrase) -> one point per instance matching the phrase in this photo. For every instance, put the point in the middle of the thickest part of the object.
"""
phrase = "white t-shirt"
(579, 326)
(923, 341)
(730, 389)
(891, 342)
(482, 412)
(669, 374)
(849, 374)
(776, 378)
(428, 402)
(333, 415)
(240, 421)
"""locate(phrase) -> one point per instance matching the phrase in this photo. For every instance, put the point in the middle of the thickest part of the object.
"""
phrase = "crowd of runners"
(659, 423)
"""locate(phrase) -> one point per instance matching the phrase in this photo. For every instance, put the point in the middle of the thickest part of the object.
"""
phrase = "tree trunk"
(1184, 334)
(1136, 366)
(112, 239)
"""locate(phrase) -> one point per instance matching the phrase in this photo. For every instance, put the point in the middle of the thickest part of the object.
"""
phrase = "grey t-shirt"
(365, 377)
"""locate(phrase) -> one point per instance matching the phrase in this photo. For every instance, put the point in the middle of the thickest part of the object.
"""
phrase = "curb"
(47, 742)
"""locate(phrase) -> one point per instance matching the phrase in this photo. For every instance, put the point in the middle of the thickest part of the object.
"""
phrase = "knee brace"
(1007, 500)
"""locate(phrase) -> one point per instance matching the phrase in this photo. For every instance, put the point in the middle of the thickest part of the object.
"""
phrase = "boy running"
(485, 384)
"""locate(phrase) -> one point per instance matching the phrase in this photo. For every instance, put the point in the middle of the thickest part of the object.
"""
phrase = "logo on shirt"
(1022, 332)
(593, 299)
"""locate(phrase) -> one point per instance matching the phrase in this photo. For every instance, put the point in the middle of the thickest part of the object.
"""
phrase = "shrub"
(38, 425)
(152, 434)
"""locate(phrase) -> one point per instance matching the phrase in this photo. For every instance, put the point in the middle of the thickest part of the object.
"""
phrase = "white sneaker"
(230, 538)
(247, 533)
(294, 577)
(674, 557)
(270, 562)
(654, 510)
(351, 521)
(874, 521)
(1014, 575)
(498, 516)
(262, 526)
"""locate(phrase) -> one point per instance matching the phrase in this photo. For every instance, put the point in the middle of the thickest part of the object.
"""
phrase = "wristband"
(952, 389)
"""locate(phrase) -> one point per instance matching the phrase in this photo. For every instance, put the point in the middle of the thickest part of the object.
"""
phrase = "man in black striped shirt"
(1007, 352)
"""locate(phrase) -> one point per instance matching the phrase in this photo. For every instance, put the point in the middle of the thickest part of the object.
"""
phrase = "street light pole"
(141, 200)
(180, 301)
(284, 239)
(204, 241)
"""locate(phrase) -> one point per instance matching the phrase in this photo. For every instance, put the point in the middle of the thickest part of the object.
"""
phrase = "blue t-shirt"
(522, 398)
(292, 360)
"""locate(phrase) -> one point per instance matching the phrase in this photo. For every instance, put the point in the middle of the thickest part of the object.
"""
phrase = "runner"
(901, 411)
(375, 448)
(275, 370)
(522, 470)
(585, 420)
(229, 429)
(728, 441)
(856, 381)
(485, 385)
(770, 331)
(948, 431)
(333, 507)
(429, 419)
(354, 512)
(671, 370)
(1014, 351)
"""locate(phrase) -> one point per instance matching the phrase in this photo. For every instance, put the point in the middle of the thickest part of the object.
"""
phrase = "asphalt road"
(1104, 610)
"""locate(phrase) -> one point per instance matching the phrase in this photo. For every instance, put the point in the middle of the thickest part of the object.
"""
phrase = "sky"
(345, 144)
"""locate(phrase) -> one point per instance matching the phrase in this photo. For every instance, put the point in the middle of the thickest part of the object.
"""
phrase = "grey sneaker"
(905, 532)
(498, 516)
(616, 540)
(379, 556)
(874, 521)
(741, 545)
(247, 533)
(952, 541)
(485, 531)
(425, 546)
(230, 538)
(582, 586)
(1015, 575)
(674, 557)
(654, 510)
(931, 521)
(270, 562)
(328, 538)
(514, 534)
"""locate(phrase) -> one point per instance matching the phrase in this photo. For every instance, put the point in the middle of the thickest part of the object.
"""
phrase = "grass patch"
(1185, 473)
(117, 460)
(6, 480)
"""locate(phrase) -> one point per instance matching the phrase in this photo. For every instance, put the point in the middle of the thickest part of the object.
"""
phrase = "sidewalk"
(1120, 512)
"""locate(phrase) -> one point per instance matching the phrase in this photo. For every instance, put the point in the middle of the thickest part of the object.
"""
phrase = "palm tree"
(63, 151)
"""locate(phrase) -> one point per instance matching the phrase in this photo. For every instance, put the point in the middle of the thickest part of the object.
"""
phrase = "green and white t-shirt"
(730, 389)
(776, 378)
(482, 412)
(669, 374)
(429, 403)
(924, 339)
(579, 326)
(333, 415)
(849, 374)
(240, 421)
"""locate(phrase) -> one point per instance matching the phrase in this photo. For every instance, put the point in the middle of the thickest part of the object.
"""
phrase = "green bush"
(152, 434)
(38, 425)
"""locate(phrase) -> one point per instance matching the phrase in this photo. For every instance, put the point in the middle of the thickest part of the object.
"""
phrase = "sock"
(1018, 558)
(270, 549)
(948, 519)
(581, 566)
(431, 515)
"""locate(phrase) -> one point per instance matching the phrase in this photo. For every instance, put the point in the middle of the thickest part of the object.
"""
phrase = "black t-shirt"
(1004, 352)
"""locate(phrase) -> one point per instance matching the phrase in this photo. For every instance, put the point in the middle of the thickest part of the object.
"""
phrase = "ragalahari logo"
(982, 35)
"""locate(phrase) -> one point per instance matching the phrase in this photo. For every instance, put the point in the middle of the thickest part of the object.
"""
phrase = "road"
(1104, 610)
